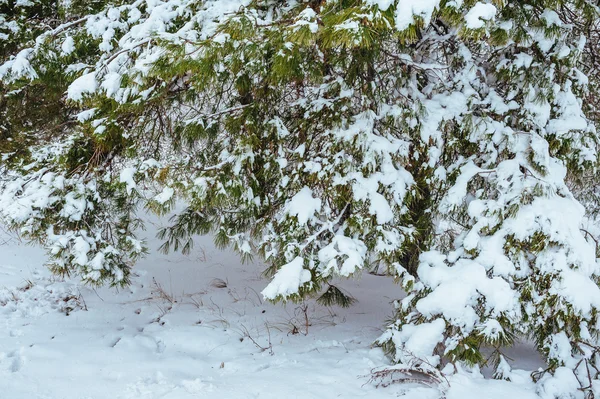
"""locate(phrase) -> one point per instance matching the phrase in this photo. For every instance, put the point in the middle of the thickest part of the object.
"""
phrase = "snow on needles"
(289, 278)
(480, 13)
(406, 10)
(303, 205)
(455, 161)
(85, 84)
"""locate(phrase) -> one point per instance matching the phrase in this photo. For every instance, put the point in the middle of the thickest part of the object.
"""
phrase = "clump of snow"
(74, 207)
(480, 13)
(457, 193)
(165, 195)
(68, 46)
(127, 176)
(303, 205)
(37, 297)
(417, 341)
(551, 18)
(111, 83)
(307, 18)
(407, 10)
(288, 279)
(19, 66)
(455, 290)
(563, 384)
(85, 84)
(351, 253)
(85, 115)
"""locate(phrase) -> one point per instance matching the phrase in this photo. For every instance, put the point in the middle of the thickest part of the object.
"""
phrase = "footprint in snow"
(160, 346)
(13, 361)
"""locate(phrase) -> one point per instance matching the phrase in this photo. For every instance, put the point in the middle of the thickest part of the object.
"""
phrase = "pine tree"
(451, 143)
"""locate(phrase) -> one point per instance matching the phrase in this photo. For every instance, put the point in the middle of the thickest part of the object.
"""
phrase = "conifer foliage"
(451, 144)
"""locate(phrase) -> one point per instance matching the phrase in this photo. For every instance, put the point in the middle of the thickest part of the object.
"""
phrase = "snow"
(509, 189)
(406, 10)
(307, 18)
(351, 253)
(19, 66)
(165, 195)
(480, 13)
(420, 340)
(472, 385)
(303, 205)
(563, 384)
(127, 176)
(68, 46)
(111, 83)
(578, 290)
(551, 18)
(458, 191)
(456, 289)
(288, 279)
(571, 116)
(174, 335)
(85, 84)
(81, 248)
(74, 207)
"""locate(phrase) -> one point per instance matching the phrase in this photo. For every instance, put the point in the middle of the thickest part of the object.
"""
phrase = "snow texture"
(61, 340)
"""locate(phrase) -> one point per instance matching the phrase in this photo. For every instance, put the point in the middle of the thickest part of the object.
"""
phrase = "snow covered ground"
(196, 326)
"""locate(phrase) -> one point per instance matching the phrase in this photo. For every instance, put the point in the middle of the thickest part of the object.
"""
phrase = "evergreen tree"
(451, 143)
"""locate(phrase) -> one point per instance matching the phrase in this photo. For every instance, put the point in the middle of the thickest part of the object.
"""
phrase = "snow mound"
(39, 296)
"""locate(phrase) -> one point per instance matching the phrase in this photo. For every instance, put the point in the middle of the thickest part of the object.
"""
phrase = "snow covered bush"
(451, 143)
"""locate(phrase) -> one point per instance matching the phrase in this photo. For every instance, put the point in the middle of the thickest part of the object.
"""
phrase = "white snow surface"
(177, 332)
